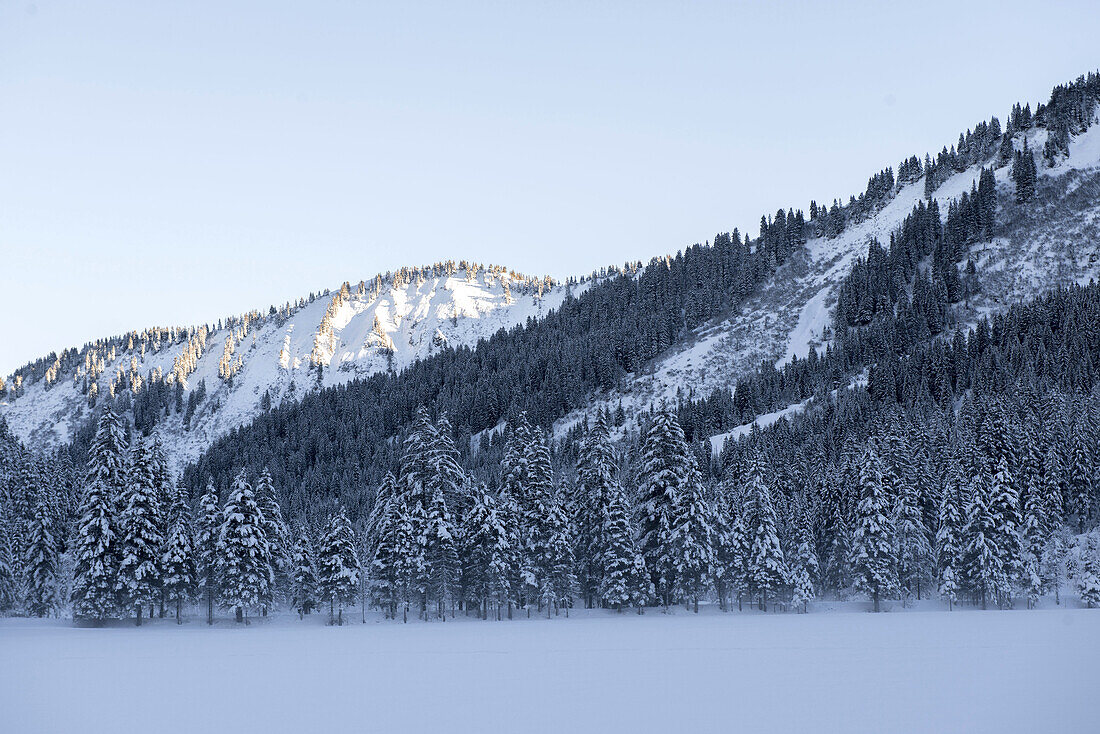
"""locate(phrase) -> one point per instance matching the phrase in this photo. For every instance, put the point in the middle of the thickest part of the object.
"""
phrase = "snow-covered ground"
(830, 671)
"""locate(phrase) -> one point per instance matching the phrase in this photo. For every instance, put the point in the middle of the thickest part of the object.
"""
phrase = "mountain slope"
(1052, 241)
(258, 360)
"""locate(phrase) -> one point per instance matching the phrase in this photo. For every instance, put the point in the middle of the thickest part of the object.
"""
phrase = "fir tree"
(304, 574)
(914, 552)
(41, 565)
(244, 559)
(1088, 577)
(1004, 505)
(622, 572)
(662, 475)
(8, 584)
(981, 557)
(338, 566)
(873, 560)
(595, 484)
(948, 550)
(767, 566)
(178, 560)
(206, 549)
(139, 565)
(489, 556)
(693, 535)
(277, 536)
(559, 582)
(803, 569)
(97, 541)
(382, 534)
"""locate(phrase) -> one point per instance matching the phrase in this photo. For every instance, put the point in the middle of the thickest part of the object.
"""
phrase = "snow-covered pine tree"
(740, 550)
(767, 564)
(693, 534)
(97, 541)
(536, 504)
(1004, 504)
(165, 490)
(559, 582)
(595, 474)
(948, 536)
(8, 585)
(489, 556)
(278, 538)
(621, 568)
(662, 474)
(803, 567)
(338, 566)
(139, 572)
(41, 564)
(1088, 576)
(244, 559)
(444, 488)
(914, 551)
(206, 548)
(303, 574)
(382, 530)
(595, 483)
(981, 558)
(178, 560)
(873, 560)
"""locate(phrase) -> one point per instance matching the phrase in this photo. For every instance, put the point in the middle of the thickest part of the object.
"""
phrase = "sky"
(172, 163)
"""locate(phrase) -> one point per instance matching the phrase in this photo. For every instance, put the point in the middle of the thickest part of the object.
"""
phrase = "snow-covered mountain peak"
(197, 383)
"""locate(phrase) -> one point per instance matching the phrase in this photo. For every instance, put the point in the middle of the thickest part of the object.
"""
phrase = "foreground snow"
(920, 671)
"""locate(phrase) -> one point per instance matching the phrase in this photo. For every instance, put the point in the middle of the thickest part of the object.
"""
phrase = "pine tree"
(304, 574)
(914, 552)
(277, 536)
(559, 582)
(97, 539)
(622, 572)
(595, 483)
(536, 504)
(948, 550)
(244, 559)
(41, 565)
(740, 544)
(981, 557)
(139, 573)
(693, 535)
(803, 568)
(662, 475)
(1004, 505)
(767, 564)
(8, 585)
(873, 560)
(206, 548)
(1088, 577)
(490, 552)
(382, 534)
(178, 560)
(338, 566)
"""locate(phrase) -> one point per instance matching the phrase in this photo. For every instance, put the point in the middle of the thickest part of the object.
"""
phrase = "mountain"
(742, 304)
(1039, 245)
(196, 383)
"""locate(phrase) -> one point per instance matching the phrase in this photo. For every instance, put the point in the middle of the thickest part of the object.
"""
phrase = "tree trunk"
(240, 614)
(210, 607)
(137, 620)
(876, 600)
(179, 609)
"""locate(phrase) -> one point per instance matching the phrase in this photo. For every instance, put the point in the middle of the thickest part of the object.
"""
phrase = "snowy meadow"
(840, 669)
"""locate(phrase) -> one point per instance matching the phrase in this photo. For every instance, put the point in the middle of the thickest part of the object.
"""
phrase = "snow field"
(919, 671)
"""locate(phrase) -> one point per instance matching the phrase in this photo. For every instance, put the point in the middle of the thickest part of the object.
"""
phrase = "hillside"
(1054, 241)
(224, 375)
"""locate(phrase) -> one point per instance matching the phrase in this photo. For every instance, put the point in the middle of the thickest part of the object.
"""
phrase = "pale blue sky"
(169, 162)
